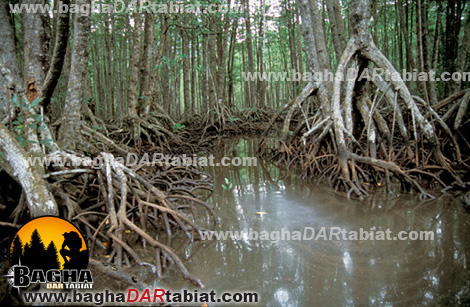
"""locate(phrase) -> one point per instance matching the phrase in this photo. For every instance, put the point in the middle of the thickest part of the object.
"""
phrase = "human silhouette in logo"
(77, 259)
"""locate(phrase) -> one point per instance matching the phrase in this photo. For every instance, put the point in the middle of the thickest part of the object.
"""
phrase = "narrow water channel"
(324, 272)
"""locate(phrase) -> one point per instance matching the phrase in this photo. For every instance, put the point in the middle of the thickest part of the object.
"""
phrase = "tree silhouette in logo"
(73, 257)
(16, 250)
(52, 257)
(34, 254)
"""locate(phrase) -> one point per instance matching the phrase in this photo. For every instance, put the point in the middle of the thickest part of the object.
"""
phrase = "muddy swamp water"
(323, 272)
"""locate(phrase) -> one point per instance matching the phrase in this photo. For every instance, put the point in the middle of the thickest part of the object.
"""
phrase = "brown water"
(323, 272)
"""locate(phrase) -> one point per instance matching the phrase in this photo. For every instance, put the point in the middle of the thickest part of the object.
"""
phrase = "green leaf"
(1, 154)
(35, 102)
(42, 127)
(46, 142)
(20, 138)
(37, 117)
(21, 118)
(32, 126)
(223, 186)
(226, 181)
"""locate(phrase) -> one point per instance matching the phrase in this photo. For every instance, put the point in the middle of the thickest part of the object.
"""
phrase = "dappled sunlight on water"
(323, 272)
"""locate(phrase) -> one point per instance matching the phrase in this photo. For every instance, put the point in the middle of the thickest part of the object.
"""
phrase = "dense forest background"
(187, 63)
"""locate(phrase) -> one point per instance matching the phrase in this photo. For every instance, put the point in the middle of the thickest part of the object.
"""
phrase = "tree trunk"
(134, 62)
(249, 49)
(260, 93)
(409, 54)
(35, 33)
(40, 201)
(292, 46)
(230, 64)
(14, 156)
(69, 136)
(186, 69)
(319, 35)
(463, 50)
(58, 57)
(222, 44)
(205, 72)
(299, 45)
(453, 24)
(165, 23)
(8, 60)
(337, 27)
(165, 75)
(212, 68)
(146, 66)
(309, 36)
(35, 48)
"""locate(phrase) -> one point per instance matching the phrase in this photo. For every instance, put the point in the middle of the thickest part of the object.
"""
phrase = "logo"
(51, 251)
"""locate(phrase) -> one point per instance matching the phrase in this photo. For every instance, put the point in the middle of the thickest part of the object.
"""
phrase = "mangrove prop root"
(115, 205)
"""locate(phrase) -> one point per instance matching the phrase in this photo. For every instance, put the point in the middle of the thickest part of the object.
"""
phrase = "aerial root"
(117, 207)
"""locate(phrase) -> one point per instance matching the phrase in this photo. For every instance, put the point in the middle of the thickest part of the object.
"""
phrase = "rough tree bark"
(465, 43)
(69, 136)
(186, 67)
(8, 58)
(147, 65)
(58, 56)
(41, 81)
(319, 34)
(249, 49)
(35, 47)
(453, 24)
(409, 54)
(40, 201)
(337, 27)
(134, 62)
(318, 62)
(133, 88)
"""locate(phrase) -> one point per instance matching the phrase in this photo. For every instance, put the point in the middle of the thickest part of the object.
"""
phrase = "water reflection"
(332, 273)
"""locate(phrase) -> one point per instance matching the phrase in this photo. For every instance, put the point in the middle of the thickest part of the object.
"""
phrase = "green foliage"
(146, 98)
(22, 124)
(228, 185)
(177, 127)
(166, 61)
(46, 142)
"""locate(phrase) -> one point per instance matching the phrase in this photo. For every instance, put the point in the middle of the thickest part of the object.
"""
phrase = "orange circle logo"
(49, 243)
